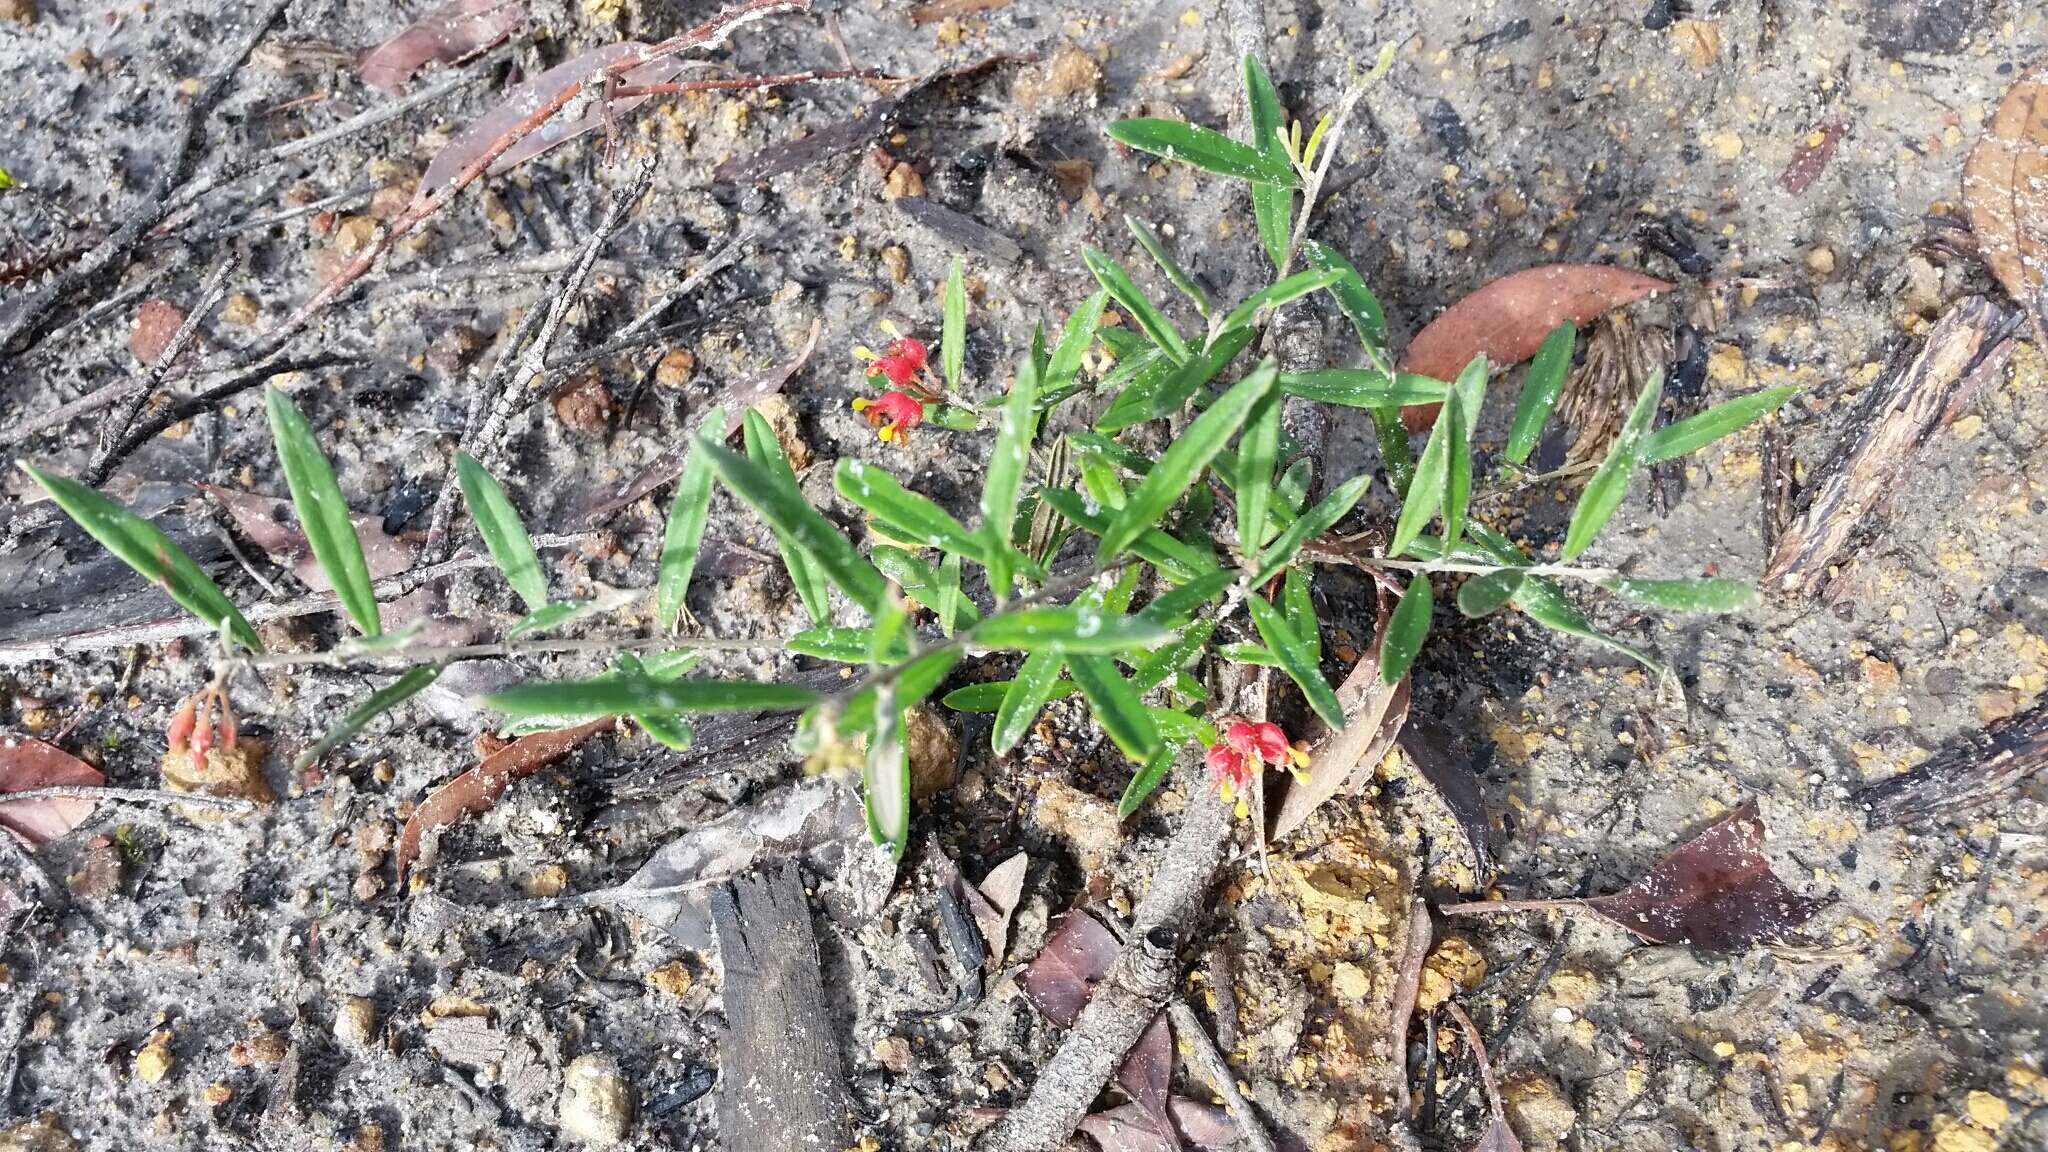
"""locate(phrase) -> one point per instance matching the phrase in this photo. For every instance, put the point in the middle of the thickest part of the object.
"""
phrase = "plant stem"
(1567, 571)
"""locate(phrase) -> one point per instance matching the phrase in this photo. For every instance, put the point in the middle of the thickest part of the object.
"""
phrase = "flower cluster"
(897, 411)
(195, 726)
(1245, 747)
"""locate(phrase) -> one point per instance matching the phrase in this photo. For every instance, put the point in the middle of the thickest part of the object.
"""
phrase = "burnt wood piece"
(1964, 354)
(1962, 777)
(781, 1083)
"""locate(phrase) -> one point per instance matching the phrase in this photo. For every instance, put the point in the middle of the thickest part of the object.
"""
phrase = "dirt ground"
(263, 983)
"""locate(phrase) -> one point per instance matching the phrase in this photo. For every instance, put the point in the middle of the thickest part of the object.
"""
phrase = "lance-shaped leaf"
(1205, 149)
(1432, 479)
(885, 782)
(908, 515)
(1151, 321)
(1078, 629)
(1273, 295)
(685, 532)
(1183, 462)
(918, 679)
(988, 697)
(1145, 781)
(1005, 481)
(926, 586)
(1079, 335)
(1172, 557)
(1296, 659)
(777, 500)
(1253, 480)
(498, 523)
(1149, 398)
(1163, 663)
(1406, 629)
(323, 513)
(787, 509)
(1270, 202)
(1356, 301)
(1363, 387)
(1489, 592)
(1542, 601)
(1540, 390)
(1175, 606)
(1300, 609)
(1025, 698)
(1707, 594)
(1311, 524)
(1175, 274)
(1604, 492)
(846, 645)
(626, 695)
(381, 701)
(953, 327)
(1115, 705)
(948, 608)
(1699, 430)
(144, 547)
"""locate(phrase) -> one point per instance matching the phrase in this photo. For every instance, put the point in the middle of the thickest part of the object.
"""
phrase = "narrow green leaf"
(846, 645)
(685, 532)
(1151, 321)
(1294, 484)
(924, 584)
(548, 617)
(1248, 653)
(498, 523)
(1296, 660)
(988, 697)
(953, 329)
(1701, 429)
(911, 516)
(624, 695)
(888, 643)
(1175, 274)
(381, 701)
(1183, 461)
(1604, 492)
(1392, 437)
(670, 731)
(1077, 629)
(917, 680)
(948, 607)
(1006, 464)
(1458, 482)
(1254, 479)
(1165, 393)
(1079, 335)
(804, 574)
(776, 499)
(1301, 612)
(1160, 665)
(1205, 149)
(323, 513)
(1432, 477)
(1706, 594)
(1117, 708)
(1273, 295)
(1174, 607)
(1145, 781)
(885, 782)
(1313, 523)
(1174, 559)
(1540, 390)
(1406, 629)
(1352, 296)
(143, 547)
(1271, 204)
(1363, 387)
(1470, 389)
(1488, 593)
(1026, 697)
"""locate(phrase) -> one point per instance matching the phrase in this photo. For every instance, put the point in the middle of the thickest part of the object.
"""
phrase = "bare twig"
(210, 294)
(150, 796)
(1216, 1070)
(743, 83)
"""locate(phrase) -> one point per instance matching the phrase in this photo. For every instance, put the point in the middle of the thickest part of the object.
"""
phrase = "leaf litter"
(475, 790)
(451, 32)
(27, 763)
(1081, 951)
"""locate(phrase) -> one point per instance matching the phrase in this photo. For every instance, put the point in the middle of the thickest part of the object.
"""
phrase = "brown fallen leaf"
(1498, 1137)
(1813, 155)
(156, 323)
(450, 32)
(1407, 987)
(1716, 892)
(1127, 1127)
(992, 903)
(1081, 951)
(478, 788)
(27, 763)
(1428, 747)
(1508, 318)
(1374, 713)
(2005, 191)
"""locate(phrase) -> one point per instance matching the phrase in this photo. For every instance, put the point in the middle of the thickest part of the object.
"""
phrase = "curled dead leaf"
(1374, 712)
(1059, 980)
(1508, 318)
(2005, 189)
(27, 763)
(475, 790)
(1715, 891)
(450, 32)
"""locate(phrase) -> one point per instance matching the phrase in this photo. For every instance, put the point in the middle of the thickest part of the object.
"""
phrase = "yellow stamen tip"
(887, 431)
(1244, 810)
(861, 403)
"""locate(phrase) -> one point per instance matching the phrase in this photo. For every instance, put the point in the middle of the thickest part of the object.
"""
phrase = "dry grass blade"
(2005, 189)
(1498, 1137)
(476, 790)
(1374, 712)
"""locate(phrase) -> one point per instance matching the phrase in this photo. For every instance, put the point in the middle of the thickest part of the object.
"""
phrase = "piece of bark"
(781, 1080)
(1964, 354)
(1962, 777)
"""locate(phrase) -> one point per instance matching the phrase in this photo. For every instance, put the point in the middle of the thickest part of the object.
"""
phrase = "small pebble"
(597, 1103)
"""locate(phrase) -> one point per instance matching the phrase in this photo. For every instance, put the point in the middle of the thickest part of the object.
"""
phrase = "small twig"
(1215, 1069)
(151, 796)
(111, 433)
(741, 83)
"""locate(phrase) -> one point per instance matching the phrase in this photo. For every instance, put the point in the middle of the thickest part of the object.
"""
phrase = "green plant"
(1219, 523)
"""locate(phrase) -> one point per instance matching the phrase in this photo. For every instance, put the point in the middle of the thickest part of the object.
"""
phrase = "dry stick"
(151, 796)
(210, 294)
(1216, 1070)
(116, 248)
(742, 83)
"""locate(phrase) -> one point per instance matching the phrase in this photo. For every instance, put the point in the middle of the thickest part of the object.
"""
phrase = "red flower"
(1231, 768)
(902, 363)
(1245, 746)
(895, 413)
